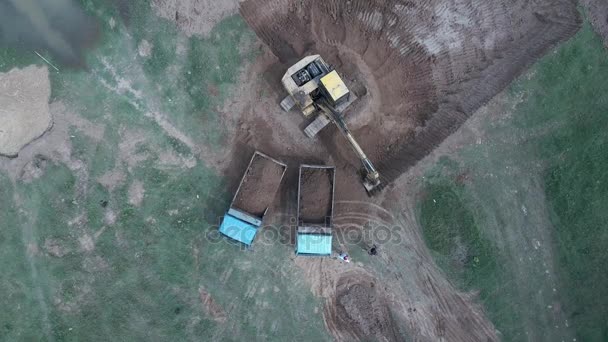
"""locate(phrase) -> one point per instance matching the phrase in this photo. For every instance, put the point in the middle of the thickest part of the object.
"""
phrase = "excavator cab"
(333, 89)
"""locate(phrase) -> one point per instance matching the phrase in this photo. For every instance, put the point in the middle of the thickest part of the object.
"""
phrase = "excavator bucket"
(372, 187)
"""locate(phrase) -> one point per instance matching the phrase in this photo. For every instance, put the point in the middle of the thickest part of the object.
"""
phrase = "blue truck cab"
(315, 210)
(252, 199)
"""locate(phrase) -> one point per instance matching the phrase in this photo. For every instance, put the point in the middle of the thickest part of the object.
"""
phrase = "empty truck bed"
(259, 186)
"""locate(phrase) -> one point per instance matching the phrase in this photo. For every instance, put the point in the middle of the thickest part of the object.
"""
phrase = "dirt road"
(24, 108)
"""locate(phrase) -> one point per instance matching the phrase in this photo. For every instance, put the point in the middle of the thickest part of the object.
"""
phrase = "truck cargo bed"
(316, 195)
(259, 185)
(254, 195)
(315, 210)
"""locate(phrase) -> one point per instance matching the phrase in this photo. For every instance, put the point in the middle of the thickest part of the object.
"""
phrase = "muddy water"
(59, 27)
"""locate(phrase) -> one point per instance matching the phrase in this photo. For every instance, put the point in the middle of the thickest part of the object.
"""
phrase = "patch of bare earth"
(24, 107)
(195, 17)
(210, 306)
(428, 64)
(54, 146)
(136, 193)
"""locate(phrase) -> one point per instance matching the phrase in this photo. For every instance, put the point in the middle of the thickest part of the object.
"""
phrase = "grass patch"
(551, 149)
(571, 90)
(452, 229)
(13, 58)
(20, 317)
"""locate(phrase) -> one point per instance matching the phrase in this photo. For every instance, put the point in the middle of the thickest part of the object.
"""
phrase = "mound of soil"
(426, 65)
(316, 195)
(260, 184)
(360, 310)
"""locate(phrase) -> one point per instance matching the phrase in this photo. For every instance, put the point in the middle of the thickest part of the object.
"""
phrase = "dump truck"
(254, 195)
(318, 91)
(315, 210)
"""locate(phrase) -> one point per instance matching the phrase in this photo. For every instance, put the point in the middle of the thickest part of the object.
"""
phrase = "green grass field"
(543, 165)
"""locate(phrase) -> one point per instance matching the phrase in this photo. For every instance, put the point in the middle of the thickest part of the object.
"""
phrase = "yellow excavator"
(320, 93)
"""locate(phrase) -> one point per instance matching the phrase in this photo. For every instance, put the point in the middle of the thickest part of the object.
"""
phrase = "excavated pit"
(424, 65)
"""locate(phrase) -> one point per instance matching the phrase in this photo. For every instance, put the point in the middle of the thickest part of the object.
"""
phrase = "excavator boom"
(371, 176)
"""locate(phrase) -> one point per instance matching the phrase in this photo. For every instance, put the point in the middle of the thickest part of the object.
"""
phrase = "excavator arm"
(371, 177)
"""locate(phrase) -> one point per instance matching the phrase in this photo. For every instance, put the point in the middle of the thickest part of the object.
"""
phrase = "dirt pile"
(427, 65)
(259, 187)
(316, 195)
(360, 311)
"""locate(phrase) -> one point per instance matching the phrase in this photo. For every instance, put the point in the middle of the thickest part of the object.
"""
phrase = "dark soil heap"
(360, 310)
(259, 187)
(316, 195)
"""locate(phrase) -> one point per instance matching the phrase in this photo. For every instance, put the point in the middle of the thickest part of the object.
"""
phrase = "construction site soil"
(316, 195)
(426, 65)
(259, 187)
(361, 309)
(420, 69)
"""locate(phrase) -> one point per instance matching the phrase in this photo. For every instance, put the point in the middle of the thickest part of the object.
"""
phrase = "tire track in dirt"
(419, 295)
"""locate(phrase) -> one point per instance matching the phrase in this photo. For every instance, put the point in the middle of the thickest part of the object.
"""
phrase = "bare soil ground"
(360, 304)
(24, 107)
(211, 306)
(259, 187)
(432, 62)
(195, 17)
(316, 195)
